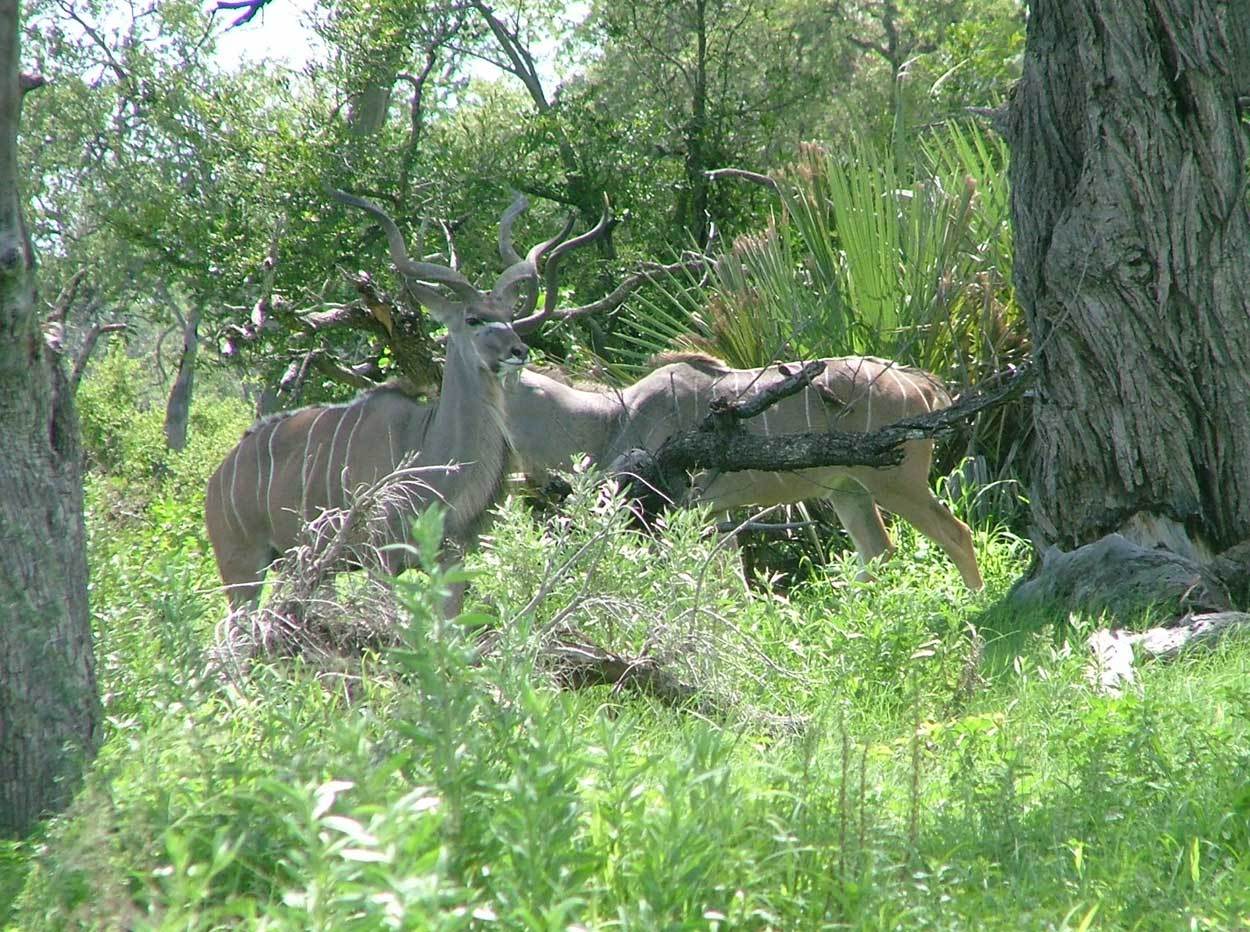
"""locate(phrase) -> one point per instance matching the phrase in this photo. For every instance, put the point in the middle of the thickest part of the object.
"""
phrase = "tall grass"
(956, 770)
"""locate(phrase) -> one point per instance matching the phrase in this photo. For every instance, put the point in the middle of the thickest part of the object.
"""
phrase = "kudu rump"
(290, 467)
(550, 422)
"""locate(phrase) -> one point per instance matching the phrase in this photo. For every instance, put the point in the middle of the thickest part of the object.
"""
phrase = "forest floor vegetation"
(955, 770)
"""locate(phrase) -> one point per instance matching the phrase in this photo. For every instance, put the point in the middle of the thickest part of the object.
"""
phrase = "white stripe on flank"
(221, 493)
(258, 472)
(351, 436)
(269, 486)
(307, 463)
(334, 438)
(234, 486)
(902, 386)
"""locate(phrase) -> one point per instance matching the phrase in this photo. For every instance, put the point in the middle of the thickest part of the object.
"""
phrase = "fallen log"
(1115, 577)
(1115, 650)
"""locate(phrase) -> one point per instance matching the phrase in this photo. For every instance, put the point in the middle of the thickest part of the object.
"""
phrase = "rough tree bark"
(49, 709)
(178, 405)
(1132, 231)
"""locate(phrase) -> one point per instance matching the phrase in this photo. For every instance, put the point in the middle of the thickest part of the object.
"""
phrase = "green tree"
(701, 84)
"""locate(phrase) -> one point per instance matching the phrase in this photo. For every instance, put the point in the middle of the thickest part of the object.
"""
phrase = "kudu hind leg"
(243, 573)
(916, 504)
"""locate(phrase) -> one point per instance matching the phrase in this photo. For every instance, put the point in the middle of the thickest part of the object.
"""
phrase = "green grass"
(956, 772)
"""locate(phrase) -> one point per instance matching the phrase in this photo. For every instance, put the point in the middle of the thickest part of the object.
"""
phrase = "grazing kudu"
(550, 422)
(290, 467)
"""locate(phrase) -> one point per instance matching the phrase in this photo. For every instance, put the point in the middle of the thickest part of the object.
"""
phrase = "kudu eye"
(473, 321)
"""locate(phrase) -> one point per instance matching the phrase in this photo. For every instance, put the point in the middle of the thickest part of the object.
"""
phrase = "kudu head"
(479, 323)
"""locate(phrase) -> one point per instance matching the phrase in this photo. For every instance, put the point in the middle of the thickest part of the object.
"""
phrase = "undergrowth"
(956, 769)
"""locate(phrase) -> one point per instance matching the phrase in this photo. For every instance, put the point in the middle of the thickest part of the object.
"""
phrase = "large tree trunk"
(1132, 232)
(49, 710)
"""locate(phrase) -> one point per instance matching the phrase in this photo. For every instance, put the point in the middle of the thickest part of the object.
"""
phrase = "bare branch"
(867, 45)
(724, 413)
(88, 347)
(94, 34)
(715, 174)
(521, 61)
(60, 308)
(578, 664)
(361, 376)
(249, 7)
(338, 315)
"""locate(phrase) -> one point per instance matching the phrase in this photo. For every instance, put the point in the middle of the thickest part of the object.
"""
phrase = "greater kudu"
(290, 467)
(551, 422)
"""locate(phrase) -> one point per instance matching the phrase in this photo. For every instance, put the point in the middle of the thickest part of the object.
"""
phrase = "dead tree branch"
(766, 181)
(249, 7)
(88, 347)
(578, 663)
(657, 480)
(1111, 669)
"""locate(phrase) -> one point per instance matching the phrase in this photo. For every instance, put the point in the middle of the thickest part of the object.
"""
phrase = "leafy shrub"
(122, 430)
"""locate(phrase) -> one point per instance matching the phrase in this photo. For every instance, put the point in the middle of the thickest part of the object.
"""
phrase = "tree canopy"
(174, 183)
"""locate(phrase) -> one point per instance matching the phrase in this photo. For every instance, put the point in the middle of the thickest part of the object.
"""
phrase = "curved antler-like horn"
(524, 273)
(521, 273)
(416, 272)
(606, 222)
(515, 209)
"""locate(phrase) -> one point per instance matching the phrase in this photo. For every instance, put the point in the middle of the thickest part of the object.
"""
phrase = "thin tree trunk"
(178, 406)
(696, 134)
(49, 709)
(1132, 233)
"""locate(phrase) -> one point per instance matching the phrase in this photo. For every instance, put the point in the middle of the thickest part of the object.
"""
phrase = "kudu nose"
(520, 353)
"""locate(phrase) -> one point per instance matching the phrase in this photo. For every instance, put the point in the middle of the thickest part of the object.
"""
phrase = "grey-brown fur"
(549, 423)
(287, 469)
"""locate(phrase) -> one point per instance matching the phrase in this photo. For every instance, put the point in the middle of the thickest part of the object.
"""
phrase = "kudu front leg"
(862, 522)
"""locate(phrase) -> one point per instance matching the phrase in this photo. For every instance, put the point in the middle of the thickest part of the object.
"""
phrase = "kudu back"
(550, 422)
(289, 468)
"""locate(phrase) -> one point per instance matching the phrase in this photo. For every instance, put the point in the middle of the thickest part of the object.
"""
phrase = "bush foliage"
(955, 770)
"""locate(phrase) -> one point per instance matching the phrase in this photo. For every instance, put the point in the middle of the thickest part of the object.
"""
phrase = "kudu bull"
(550, 422)
(288, 468)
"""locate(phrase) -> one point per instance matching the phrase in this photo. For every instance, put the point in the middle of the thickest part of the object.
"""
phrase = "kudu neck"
(469, 404)
(549, 421)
